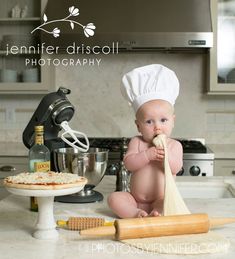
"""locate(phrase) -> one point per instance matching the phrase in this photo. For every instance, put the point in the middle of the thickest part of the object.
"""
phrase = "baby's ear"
(173, 120)
(137, 125)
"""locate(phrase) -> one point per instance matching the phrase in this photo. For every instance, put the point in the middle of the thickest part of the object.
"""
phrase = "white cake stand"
(45, 226)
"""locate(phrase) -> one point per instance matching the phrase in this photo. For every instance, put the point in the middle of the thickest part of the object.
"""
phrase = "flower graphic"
(56, 32)
(89, 29)
(73, 11)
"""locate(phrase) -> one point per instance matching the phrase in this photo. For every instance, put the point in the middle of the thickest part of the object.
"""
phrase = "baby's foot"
(154, 213)
(142, 214)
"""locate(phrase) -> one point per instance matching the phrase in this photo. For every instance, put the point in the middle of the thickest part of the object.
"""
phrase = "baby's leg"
(124, 205)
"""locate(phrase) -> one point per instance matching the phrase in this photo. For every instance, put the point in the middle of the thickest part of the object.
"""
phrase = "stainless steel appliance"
(143, 25)
(198, 159)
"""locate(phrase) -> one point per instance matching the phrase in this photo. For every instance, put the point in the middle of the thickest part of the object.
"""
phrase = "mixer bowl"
(91, 164)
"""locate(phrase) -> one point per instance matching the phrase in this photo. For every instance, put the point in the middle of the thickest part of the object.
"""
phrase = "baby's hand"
(155, 153)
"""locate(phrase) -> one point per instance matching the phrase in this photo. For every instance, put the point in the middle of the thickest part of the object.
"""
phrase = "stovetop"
(192, 146)
(115, 145)
(196, 156)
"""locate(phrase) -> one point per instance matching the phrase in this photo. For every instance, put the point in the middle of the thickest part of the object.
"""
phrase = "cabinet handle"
(233, 172)
(7, 168)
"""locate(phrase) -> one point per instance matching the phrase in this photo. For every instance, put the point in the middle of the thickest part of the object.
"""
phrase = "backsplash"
(101, 111)
(220, 121)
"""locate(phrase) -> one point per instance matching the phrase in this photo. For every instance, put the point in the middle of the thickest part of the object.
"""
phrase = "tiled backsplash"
(220, 121)
(102, 111)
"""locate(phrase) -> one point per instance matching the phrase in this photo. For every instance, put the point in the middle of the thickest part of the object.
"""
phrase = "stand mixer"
(54, 112)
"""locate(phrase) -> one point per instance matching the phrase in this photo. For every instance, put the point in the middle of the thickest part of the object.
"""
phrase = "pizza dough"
(184, 244)
(44, 181)
(173, 202)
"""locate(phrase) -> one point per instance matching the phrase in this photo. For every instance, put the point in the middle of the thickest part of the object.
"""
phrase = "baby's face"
(154, 118)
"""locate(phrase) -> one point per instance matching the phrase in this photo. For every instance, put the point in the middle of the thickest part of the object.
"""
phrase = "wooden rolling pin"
(158, 226)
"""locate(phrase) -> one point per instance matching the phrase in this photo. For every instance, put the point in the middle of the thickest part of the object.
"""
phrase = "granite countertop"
(16, 226)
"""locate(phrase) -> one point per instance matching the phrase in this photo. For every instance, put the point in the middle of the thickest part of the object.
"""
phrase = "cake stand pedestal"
(46, 226)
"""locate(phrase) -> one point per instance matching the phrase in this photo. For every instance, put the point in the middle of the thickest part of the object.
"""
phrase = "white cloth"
(148, 83)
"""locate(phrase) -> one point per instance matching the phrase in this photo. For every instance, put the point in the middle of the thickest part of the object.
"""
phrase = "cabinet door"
(20, 51)
(222, 55)
(224, 167)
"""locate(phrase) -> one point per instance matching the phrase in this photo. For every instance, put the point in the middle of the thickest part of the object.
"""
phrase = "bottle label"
(42, 166)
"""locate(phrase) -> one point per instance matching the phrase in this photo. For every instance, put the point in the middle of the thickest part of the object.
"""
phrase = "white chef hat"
(148, 83)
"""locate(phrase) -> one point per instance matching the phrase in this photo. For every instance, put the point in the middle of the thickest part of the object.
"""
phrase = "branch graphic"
(88, 29)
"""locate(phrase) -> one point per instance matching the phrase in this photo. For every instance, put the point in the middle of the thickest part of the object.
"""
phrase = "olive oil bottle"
(39, 159)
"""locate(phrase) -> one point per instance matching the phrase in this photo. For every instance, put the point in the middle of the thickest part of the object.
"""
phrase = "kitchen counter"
(16, 226)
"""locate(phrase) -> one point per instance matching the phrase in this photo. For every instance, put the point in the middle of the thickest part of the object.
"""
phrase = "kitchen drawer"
(224, 167)
(12, 165)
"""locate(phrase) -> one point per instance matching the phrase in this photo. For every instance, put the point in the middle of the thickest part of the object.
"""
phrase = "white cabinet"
(222, 55)
(224, 167)
(20, 51)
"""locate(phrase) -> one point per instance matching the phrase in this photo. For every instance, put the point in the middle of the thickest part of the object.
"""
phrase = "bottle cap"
(39, 128)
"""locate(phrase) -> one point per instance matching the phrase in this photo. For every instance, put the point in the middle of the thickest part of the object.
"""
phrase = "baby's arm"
(135, 160)
(175, 156)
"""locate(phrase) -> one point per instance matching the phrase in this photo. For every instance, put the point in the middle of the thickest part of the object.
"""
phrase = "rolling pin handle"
(216, 222)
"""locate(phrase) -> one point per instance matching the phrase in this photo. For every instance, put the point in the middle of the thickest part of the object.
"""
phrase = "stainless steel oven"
(198, 164)
(198, 159)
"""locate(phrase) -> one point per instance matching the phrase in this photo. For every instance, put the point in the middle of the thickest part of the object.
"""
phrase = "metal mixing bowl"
(91, 164)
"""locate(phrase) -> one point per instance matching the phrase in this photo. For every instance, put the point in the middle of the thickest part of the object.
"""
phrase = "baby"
(152, 91)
